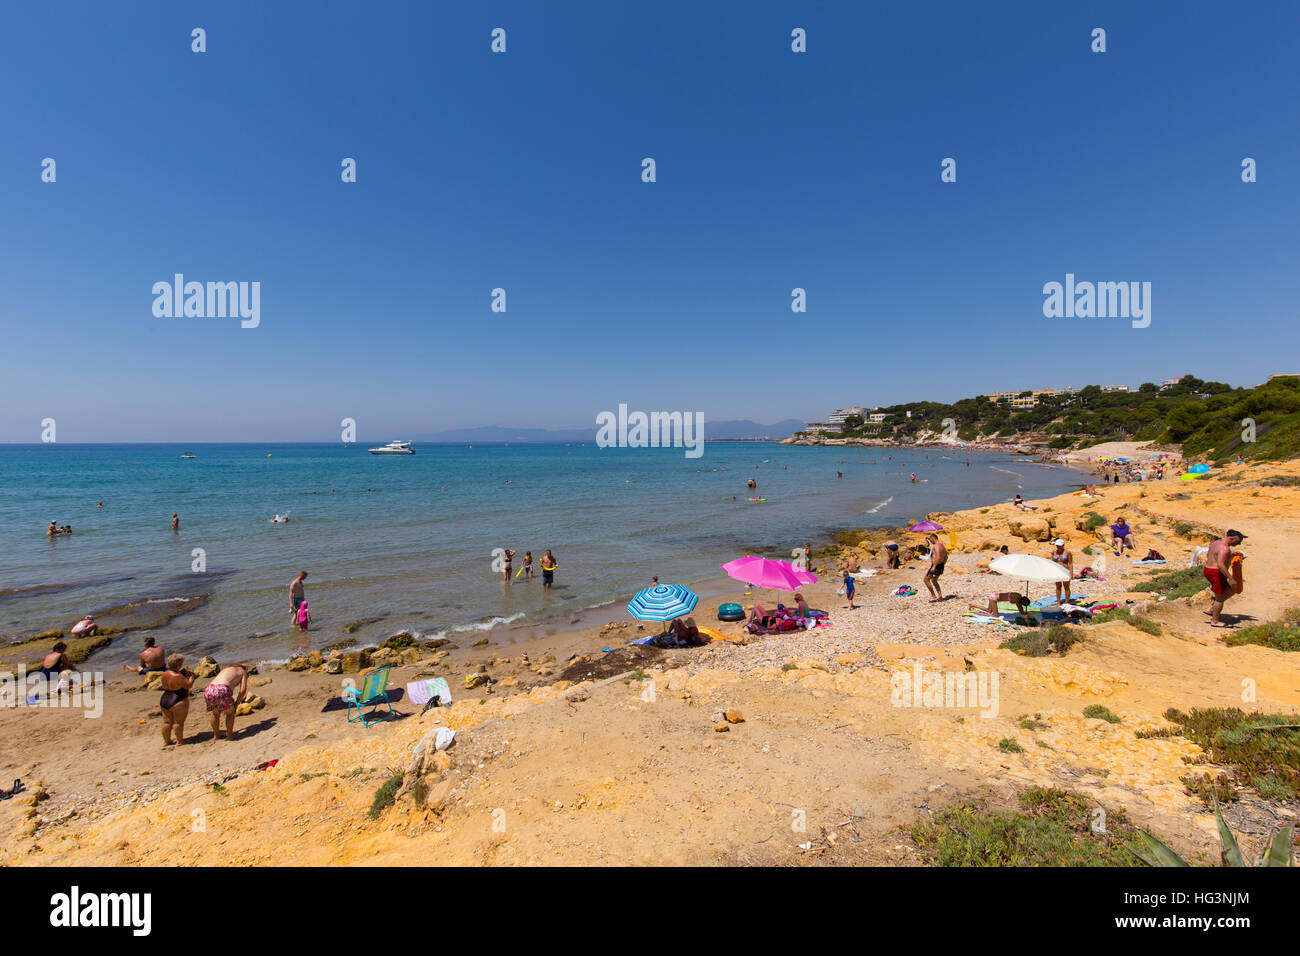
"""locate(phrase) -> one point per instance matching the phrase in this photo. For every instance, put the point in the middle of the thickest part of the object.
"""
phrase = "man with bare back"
(223, 695)
(1218, 571)
(938, 558)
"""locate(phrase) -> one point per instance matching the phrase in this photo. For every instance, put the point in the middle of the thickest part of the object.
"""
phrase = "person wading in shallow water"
(548, 568)
(297, 594)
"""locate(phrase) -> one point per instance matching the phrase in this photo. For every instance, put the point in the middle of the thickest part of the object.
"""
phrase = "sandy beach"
(582, 755)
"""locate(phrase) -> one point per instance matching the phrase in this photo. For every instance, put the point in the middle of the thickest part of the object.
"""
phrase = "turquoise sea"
(405, 543)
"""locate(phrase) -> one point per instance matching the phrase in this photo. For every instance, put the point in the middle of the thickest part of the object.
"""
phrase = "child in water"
(304, 616)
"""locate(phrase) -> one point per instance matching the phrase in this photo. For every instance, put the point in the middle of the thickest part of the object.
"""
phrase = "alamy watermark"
(949, 689)
(69, 690)
(652, 430)
(1102, 300)
(212, 300)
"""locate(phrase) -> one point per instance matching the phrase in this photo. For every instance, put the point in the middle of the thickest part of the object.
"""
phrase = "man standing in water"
(1218, 571)
(297, 594)
(176, 523)
(548, 569)
(938, 558)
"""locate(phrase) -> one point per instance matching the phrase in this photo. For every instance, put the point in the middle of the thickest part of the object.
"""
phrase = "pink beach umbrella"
(926, 526)
(767, 573)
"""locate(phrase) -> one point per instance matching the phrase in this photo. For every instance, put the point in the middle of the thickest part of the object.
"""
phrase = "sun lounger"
(373, 694)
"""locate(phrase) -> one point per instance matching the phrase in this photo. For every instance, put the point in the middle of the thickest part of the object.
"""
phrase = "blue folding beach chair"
(373, 694)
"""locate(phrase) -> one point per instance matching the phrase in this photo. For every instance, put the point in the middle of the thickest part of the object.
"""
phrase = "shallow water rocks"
(207, 667)
(315, 658)
(299, 664)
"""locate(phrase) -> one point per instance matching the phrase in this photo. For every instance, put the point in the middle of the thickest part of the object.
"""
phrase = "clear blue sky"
(775, 170)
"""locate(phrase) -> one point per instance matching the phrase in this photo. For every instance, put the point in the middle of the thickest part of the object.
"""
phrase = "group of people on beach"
(548, 565)
(222, 695)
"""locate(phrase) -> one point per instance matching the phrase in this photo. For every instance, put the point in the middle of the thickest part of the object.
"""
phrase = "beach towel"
(423, 691)
(642, 641)
(1151, 561)
(905, 591)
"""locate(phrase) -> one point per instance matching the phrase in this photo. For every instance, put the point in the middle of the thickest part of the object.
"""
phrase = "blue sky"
(522, 171)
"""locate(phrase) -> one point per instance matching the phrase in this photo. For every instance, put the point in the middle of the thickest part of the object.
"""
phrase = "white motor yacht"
(394, 448)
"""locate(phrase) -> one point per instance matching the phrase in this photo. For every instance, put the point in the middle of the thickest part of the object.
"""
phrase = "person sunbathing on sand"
(1004, 597)
(686, 631)
(763, 618)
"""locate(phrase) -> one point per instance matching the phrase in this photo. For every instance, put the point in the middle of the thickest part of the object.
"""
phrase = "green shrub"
(1175, 584)
(1009, 746)
(1055, 828)
(1040, 642)
(1261, 751)
(1098, 712)
(1092, 521)
(1281, 635)
(386, 795)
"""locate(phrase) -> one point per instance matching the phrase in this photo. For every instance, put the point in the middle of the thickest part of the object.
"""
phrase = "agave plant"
(1277, 849)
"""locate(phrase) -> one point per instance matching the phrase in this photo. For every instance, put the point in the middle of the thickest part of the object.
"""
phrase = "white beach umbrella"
(1029, 567)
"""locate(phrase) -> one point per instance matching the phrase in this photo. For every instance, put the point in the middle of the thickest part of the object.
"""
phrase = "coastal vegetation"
(1260, 751)
(1175, 584)
(1210, 419)
(1051, 828)
(1282, 634)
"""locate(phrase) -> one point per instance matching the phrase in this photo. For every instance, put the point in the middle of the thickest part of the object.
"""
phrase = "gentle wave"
(489, 624)
(872, 511)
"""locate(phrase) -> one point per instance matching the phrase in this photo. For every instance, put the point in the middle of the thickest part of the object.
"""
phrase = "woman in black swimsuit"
(175, 701)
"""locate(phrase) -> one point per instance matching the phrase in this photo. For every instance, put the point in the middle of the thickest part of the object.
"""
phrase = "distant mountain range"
(713, 431)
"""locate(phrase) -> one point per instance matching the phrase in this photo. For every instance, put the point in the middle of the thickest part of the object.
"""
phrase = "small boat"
(394, 448)
(189, 455)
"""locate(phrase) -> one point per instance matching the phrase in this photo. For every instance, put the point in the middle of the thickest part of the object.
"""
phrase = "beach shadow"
(337, 703)
(248, 730)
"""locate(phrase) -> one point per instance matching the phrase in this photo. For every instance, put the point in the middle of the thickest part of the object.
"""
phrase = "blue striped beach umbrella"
(663, 602)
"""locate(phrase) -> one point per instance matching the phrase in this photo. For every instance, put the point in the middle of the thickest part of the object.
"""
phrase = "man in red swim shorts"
(1218, 571)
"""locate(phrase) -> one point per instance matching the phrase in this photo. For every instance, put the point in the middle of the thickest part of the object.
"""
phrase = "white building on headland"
(839, 416)
(1114, 388)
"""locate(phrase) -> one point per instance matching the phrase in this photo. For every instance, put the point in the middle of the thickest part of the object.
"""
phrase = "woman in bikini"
(175, 701)
(1066, 560)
